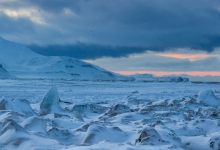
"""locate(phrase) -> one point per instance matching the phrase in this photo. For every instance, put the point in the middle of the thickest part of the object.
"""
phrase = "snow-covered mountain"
(152, 78)
(24, 63)
(4, 74)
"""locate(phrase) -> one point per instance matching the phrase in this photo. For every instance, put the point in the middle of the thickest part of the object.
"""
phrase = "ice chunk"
(17, 105)
(214, 142)
(170, 136)
(35, 124)
(98, 133)
(50, 102)
(153, 140)
(58, 115)
(117, 109)
(4, 104)
(91, 133)
(80, 108)
(10, 124)
(133, 100)
(84, 127)
(18, 117)
(14, 136)
(12, 133)
(149, 136)
(148, 131)
(207, 97)
(78, 116)
(94, 108)
(160, 103)
(61, 135)
(24, 107)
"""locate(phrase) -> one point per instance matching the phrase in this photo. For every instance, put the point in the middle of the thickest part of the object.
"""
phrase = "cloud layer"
(122, 35)
(111, 27)
(87, 51)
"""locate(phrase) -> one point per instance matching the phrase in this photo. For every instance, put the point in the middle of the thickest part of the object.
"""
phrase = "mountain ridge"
(24, 63)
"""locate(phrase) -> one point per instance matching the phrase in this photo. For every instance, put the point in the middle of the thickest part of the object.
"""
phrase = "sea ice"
(50, 102)
(117, 109)
(17, 105)
(35, 124)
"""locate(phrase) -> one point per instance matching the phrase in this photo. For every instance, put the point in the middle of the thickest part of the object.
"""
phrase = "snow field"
(47, 114)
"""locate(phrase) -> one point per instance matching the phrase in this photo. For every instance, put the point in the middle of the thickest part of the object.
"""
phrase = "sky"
(162, 37)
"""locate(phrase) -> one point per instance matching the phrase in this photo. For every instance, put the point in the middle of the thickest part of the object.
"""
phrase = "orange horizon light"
(191, 57)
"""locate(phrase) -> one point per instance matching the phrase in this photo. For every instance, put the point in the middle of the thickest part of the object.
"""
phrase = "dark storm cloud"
(94, 51)
(115, 28)
(85, 51)
(209, 44)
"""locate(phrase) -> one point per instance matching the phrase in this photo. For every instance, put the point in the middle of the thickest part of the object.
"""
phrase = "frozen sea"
(109, 115)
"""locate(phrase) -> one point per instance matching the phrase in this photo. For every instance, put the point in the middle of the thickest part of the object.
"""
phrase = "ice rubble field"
(45, 114)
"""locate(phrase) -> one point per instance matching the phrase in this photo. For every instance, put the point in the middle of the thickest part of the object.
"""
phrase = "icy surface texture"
(108, 115)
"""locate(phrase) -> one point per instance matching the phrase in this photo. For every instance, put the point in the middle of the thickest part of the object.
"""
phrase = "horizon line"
(165, 73)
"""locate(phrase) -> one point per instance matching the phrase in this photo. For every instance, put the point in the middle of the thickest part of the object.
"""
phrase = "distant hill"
(24, 63)
(152, 78)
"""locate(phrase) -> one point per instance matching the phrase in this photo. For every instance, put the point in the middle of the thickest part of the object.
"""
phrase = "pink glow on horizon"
(186, 56)
(191, 57)
(163, 73)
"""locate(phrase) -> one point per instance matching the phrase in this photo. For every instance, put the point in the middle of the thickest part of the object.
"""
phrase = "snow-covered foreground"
(45, 114)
